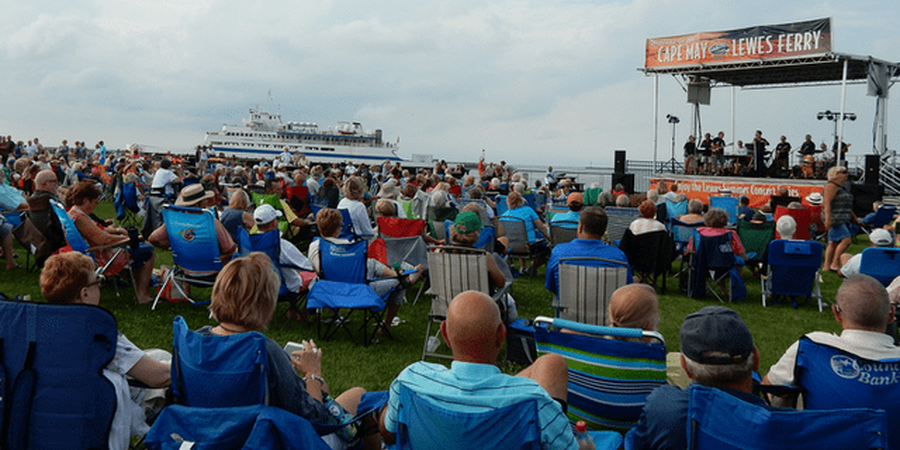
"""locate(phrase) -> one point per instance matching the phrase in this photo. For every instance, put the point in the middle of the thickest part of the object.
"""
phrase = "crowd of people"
(717, 349)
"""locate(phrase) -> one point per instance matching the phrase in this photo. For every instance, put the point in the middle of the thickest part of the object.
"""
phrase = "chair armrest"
(119, 243)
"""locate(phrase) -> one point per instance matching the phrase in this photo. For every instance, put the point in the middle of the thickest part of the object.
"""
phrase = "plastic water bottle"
(585, 441)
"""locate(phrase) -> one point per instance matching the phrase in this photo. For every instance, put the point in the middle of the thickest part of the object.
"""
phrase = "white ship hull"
(264, 135)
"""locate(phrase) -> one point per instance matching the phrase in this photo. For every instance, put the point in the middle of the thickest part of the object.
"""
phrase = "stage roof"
(808, 70)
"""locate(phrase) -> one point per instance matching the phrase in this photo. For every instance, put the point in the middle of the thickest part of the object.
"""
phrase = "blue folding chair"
(342, 285)
(347, 231)
(883, 216)
(822, 370)
(244, 427)
(13, 218)
(609, 379)
(675, 210)
(428, 422)
(195, 249)
(270, 244)
(713, 262)
(793, 270)
(126, 203)
(502, 207)
(729, 204)
(53, 393)
(881, 263)
(720, 421)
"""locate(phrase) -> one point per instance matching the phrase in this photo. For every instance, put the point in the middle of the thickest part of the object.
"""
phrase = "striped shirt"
(481, 387)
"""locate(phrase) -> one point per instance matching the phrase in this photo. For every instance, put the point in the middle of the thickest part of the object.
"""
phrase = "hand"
(308, 361)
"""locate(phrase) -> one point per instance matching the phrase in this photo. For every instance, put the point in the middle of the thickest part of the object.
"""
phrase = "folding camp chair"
(676, 209)
(517, 239)
(619, 220)
(681, 236)
(78, 244)
(729, 204)
(793, 270)
(195, 250)
(755, 238)
(883, 216)
(650, 255)
(284, 222)
(126, 203)
(51, 374)
(432, 421)
(592, 196)
(342, 286)
(720, 421)
(270, 244)
(563, 231)
(451, 271)
(298, 199)
(585, 286)
(801, 217)
(711, 263)
(610, 371)
(882, 263)
(822, 370)
(403, 242)
(557, 208)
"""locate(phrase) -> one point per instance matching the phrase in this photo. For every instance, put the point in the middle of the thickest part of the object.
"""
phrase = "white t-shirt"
(163, 179)
(852, 266)
(360, 217)
(129, 417)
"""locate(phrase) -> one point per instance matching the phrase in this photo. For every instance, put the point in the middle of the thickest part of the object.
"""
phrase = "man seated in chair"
(717, 351)
(575, 201)
(864, 311)
(299, 272)
(195, 197)
(850, 262)
(475, 333)
(591, 227)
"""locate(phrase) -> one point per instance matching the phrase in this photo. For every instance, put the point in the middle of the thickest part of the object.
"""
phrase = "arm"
(309, 363)
(159, 238)
(828, 194)
(151, 372)
(93, 234)
(494, 272)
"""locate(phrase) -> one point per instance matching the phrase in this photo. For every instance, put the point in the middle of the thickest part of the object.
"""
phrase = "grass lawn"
(346, 364)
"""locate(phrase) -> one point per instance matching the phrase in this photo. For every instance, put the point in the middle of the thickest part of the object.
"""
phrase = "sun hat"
(193, 194)
(265, 213)
(814, 199)
(715, 329)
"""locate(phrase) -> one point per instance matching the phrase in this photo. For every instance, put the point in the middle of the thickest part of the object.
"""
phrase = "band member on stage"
(717, 148)
(705, 153)
(759, 147)
(782, 157)
(808, 147)
(690, 155)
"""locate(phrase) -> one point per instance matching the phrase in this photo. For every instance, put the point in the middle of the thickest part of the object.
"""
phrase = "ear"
(501, 335)
(837, 314)
(444, 333)
(755, 359)
(684, 366)
(893, 312)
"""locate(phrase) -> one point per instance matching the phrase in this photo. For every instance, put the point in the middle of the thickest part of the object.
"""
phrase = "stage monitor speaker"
(620, 161)
(864, 195)
(873, 168)
(626, 179)
(698, 92)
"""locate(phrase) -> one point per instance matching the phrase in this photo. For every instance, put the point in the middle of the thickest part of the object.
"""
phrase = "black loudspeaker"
(620, 162)
(873, 167)
(864, 195)
(627, 180)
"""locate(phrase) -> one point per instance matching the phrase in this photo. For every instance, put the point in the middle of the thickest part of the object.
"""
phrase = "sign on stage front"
(787, 40)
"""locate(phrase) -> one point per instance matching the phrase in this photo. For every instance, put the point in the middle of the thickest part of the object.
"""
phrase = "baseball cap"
(575, 197)
(881, 237)
(265, 214)
(467, 222)
(716, 329)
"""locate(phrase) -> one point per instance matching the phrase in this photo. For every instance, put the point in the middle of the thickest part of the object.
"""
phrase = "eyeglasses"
(99, 282)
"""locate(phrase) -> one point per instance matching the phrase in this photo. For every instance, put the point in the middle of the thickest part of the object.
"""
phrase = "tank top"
(841, 206)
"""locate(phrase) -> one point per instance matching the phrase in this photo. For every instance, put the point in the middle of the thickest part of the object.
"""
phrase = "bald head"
(473, 328)
(44, 179)
(634, 306)
(864, 304)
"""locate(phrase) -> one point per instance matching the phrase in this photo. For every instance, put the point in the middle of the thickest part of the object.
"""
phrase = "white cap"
(265, 214)
(881, 238)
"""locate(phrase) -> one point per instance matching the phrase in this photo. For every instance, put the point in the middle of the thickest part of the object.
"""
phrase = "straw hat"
(192, 195)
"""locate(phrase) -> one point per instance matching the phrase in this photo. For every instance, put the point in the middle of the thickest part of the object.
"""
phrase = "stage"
(758, 190)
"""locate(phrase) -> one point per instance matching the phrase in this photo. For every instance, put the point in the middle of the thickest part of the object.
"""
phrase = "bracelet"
(313, 376)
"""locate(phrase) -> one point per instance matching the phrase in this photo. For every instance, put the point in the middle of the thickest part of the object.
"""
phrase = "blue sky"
(535, 82)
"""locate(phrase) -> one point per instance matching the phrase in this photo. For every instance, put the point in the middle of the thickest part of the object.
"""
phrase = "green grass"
(347, 364)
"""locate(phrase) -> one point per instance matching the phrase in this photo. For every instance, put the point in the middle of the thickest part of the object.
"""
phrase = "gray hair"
(786, 226)
(719, 374)
(695, 206)
(653, 195)
(715, 218)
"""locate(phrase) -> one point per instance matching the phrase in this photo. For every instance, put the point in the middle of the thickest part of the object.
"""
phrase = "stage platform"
(758, 190)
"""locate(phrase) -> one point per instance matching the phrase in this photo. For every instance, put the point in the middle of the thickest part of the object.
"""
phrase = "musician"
(690, 155)
(717, 148)
(782, 157)
(705, 152)
(808, 147)
(759, 145)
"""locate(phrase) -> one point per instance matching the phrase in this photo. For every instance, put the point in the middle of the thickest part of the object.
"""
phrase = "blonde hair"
(354, 188)
(246, 292)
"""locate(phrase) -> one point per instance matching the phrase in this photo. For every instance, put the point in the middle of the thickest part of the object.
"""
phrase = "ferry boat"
(265, 135)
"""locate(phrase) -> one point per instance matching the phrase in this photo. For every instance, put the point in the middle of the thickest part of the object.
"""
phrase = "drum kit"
(813, 168)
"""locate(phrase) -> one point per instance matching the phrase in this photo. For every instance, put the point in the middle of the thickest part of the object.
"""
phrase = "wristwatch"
(313, 376)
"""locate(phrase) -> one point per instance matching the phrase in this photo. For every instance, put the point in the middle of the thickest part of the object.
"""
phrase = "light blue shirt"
(528, 216)
(481, 387)
(10, 198)
(571, 216)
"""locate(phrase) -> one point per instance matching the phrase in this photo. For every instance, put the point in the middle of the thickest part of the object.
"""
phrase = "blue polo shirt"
(528, 216)
(578, 248)
(481, 387)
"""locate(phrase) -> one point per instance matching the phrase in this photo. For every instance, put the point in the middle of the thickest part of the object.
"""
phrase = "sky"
(530, 82)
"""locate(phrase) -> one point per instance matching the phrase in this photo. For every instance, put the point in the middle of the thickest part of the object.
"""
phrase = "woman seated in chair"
(330, 221)
(694, 214)
(243, 300)
(70, 278)
(647, 222)
(519, 208)
(465, 232)
(354, 190)
(81, 201)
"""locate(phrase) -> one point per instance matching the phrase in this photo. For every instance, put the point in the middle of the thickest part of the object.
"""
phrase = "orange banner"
(747, 44)
(758, 192)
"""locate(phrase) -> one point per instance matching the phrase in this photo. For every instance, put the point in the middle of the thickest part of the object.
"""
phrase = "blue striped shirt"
(481, 387)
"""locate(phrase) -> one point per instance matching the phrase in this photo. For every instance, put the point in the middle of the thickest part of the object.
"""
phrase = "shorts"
(839, 233)
(705, 159)
(5, 228)
(340, 415)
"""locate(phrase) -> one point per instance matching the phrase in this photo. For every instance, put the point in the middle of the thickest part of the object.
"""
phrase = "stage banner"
(759, 191)
(747, 44)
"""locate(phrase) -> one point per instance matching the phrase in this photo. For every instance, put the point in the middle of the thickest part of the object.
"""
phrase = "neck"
(229, 328)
